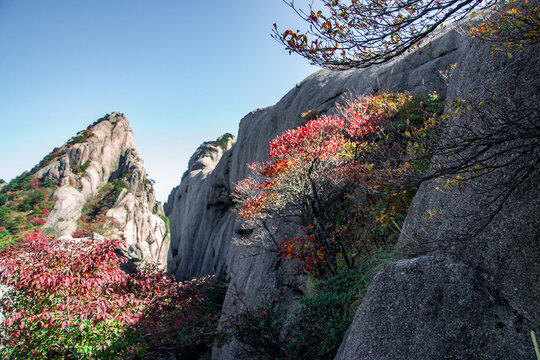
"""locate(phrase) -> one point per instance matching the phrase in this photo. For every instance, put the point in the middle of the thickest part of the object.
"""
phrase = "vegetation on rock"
(338, 179)
(25, 204)
(344, 182)
(316, 328)
(222, 141)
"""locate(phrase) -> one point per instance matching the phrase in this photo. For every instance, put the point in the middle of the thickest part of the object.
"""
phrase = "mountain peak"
(102, 185)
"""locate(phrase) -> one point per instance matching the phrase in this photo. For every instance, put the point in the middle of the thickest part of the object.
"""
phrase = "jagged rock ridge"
(100, 167)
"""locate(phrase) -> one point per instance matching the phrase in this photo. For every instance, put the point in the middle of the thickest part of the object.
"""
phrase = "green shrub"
(79, 170)
(316, 329)
(221, 141)
(3, 199)
(24, 206)
(82, 137)
(20, 183)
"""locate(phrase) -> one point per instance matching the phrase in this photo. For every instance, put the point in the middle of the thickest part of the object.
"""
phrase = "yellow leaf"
(408, 133)
(473, 14)
(509, 55)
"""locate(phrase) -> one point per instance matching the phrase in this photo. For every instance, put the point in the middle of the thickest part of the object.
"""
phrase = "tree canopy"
(348, 34)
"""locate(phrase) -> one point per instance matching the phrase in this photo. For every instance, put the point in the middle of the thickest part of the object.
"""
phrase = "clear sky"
(182, 72)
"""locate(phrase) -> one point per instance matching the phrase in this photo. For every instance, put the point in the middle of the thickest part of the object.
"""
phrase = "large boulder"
(434, 307)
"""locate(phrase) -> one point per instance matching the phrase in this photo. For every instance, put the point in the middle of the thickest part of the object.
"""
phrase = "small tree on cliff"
(359, 33)
(331, 183)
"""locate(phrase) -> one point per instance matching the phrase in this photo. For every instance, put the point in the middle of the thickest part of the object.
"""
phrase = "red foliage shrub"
(329, 172)
(74, 301)
(81, 233)
(303, 249)
(39, 222)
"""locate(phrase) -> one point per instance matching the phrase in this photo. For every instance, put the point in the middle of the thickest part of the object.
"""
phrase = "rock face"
(474, 296)
(86, 166)
(196, 200)
(434, 307)
(200, 210)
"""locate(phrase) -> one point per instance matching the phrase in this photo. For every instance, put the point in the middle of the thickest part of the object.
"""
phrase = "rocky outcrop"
(202, 226)
(473, 294)
(200, 209)
(97, 157)
(434, 307)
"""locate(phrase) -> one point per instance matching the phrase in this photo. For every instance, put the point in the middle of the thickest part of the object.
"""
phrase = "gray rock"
(483, 301)
(200, 209)
(434, 307)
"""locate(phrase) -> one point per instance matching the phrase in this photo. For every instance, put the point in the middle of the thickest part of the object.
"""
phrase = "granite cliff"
(470, 290)
(449, 298)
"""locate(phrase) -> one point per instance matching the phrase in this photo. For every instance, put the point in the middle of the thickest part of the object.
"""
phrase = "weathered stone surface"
(201, 233)
(107, 151)
(200, 209)
(434, 307)
(484, 303)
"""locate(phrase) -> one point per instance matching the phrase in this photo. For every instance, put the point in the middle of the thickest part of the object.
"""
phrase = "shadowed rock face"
(202, 220)
(200, 207)
(106, 152)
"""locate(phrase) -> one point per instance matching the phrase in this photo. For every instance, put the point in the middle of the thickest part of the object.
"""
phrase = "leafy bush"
(3, 199)
(82, 137)
(259, 330)
(79, 170)
(53, 155)
(107, 226)
(105, 200)
(344, 182)
(4, 237)
(20, 183)
(316, 329)
(70, 299)
(81, 233)
(24, 205)
(340, 179)
(222, 141)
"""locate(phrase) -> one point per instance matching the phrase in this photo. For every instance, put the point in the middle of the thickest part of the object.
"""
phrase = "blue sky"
(183, 72)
